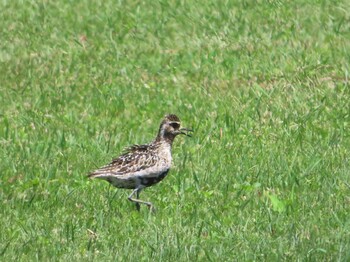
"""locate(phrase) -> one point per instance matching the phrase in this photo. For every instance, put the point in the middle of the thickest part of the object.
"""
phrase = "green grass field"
(264, 84)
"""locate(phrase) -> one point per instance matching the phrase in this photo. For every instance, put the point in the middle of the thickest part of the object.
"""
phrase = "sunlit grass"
(263, 84)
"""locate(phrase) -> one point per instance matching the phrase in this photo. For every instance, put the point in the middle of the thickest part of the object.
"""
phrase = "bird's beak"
(185, 131)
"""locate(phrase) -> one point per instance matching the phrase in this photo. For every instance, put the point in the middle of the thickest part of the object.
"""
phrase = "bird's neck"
(164, 136)
(165, 139)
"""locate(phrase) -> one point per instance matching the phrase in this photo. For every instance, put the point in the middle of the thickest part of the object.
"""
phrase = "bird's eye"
(175, 125)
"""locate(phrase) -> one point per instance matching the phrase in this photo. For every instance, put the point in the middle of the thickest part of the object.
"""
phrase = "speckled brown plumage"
(143, 165)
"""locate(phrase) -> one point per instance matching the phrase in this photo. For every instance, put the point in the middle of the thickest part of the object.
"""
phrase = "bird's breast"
(165, 156)
(151, 180)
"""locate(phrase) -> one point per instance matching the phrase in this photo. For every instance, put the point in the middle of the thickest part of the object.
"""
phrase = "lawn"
(264, 85)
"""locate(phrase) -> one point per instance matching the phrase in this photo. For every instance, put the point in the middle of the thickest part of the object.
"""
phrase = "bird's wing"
(136, 158)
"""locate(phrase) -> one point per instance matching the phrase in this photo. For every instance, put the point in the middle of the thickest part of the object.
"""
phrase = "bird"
(142, 166)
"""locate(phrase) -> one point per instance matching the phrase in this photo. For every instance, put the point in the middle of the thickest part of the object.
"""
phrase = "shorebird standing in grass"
(143, 165)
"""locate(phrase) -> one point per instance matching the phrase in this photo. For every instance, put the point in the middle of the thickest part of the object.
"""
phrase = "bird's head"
(170, 127)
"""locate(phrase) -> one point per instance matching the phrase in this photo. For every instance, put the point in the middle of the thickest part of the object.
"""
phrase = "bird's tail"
(91, 175)
(101, 174)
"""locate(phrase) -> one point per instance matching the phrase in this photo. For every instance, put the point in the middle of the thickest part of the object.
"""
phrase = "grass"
(263, 83)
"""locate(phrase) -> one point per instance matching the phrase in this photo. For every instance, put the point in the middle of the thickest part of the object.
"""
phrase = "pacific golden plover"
(143, 165)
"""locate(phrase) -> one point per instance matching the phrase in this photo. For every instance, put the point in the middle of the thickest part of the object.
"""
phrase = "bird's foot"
(152, 209)
(138, 207)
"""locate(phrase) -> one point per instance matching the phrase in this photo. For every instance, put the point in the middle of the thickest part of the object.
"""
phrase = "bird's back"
(139, 165)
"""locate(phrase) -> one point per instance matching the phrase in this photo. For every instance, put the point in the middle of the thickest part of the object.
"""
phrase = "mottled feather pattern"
(135, 159)
(135, 148)
(142, 166)
(172, 117)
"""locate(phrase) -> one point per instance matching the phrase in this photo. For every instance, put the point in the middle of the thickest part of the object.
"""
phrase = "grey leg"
(137, 200)
(138, 197)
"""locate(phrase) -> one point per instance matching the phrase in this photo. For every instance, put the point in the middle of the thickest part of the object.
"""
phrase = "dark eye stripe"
(175, 125)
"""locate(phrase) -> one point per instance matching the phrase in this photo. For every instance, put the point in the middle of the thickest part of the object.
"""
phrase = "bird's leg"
(138, 197)
(138, 201)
